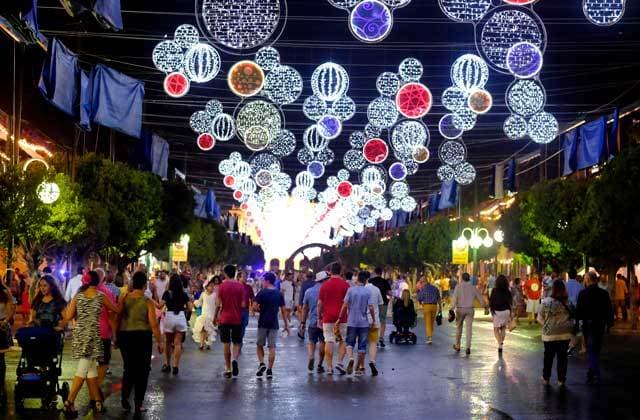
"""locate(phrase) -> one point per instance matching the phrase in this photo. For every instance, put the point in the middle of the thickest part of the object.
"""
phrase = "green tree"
(176, 214)
(208, 243)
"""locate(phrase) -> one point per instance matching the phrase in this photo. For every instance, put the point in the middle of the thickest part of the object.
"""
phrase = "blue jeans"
(245, 321)
(593, 342)
(359, 333)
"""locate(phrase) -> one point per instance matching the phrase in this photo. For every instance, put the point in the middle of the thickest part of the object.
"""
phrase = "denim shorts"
(314, 335)
(358, 333)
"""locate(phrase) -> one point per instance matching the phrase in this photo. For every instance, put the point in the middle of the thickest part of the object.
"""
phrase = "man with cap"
(310, 313)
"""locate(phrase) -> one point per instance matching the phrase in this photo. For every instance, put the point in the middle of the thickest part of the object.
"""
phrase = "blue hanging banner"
(434, 200)
(614, 134)
(108, 13)
(159, 156)
(448, 195)
(85, 100)
(60, 77)
(570, 149)
(117, 100)
(591, 144)
(511, 176)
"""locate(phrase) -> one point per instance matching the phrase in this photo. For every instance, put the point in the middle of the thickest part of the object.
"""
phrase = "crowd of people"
(341, 314)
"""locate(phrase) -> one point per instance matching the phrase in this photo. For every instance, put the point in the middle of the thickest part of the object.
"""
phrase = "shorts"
(532, 306)
(289, 304)
(175, 323)
(267, 336)
(230, 333)
(383, 313)
(374, 335)
(501, 318)
(315, 335)
(361, 334)
(106, 352)
(329, 336)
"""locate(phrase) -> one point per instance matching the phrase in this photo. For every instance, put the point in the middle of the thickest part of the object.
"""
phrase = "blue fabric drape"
(85, 100)
(117, 100)
(159, 156)
(570, 148)
(200, 209)
(60, 77)
(448, 195)
(511, 176)
(141, 156)
(434, 200)
(591, 144)
(108, 14)
(31, 21)
(612, 140)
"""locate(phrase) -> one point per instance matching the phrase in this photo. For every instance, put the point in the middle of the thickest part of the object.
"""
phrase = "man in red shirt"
(532, 291)
(330, 302)
(228, 317)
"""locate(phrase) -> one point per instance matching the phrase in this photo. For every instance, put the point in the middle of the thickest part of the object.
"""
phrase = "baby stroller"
(39, 367)
(404, 318)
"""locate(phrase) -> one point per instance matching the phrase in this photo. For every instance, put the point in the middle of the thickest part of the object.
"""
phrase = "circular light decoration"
(465, 11)
(388, 84)
(256, 138)
(446, 173)
(412, 166)
(525, 97)
(326, 156)
(378, 188)
(329, 127)
(305, 156)
(454, 98)
(344, 108)
(543, 128)
(330, 81)
(399, 189)
(469, 72)
(447, 129)
(225, 167)
(515, 127)
(213, 107)
(524, 60)
(245, 78)
(353, 160)
(414, 100)
(371, 131)
(238, 195)
(314, 107)
(382, 112)
(408, 204)
(357, 139)
(520, 2)
(282, 181)
(343, 175)
(235, 156)
(305, 179)
(386, 214)
(167, 56)
(200, 122)
(312, 139)
(201, 63)
(344, 189)
(375, 151)
(48, 192)
(268, 58)
(409, 134)
(480, 101)
(465, 173)
(241, 24)
(410, 70)
(283, 144)
(206, 141)
(464, 120)
(186, 35)
(504, 27)
(603, 12)
(223, 127)
(259, 113)
(264, 178)
(397, 171)
(264, 161)
(420, 154)
(452, 152)
(176, 85)
(242, 170)
(395, 204)
(371, 21)
(316, 169)
(229, 181)
(283, 85)
(372, 174)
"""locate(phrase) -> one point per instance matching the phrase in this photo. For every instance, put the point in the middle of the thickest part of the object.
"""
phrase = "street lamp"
(476, 238)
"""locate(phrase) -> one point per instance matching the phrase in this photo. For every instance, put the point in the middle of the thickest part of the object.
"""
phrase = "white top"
(72, 288)
(464, 295)
(161, 287)
(376, 298)
(208, 304)
(286, 287)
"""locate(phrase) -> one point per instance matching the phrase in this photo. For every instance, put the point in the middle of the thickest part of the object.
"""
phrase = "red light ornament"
(344, 189)
(375, 151)
(520, 2)
(206, 142)
(237, 194)
(414, 100)
(229, 181)
(176, 84)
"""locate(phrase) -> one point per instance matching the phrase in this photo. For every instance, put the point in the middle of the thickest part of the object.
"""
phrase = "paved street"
(415, 382)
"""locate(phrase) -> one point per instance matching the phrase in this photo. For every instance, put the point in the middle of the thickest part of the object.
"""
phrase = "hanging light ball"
(330, 81)
(371, 21)
(464, 119)
(229, 181)
(447, 129)
(305, 156)
(388, 84)
(200, 122)
(524, 60)
(371, 174)
(304, 179)
(312, 139)
(410, 70)
(603, 12)
(480, 101)
(420, 154)
(176, 85)
(223, 127)
(201, 63)
(525, 97)
(264, 161)
(329, 127)
(516, 127)
(167, 56)
(343, 108)
(357, 139)
(470, 72)
(375, 151)
(452, 152)
(454, 98)
(241, 170)
(465, 173)
(399, 189)
(186, 35)
(283, 85)
(316, 169)
(283, 144)
(446, 173)
(465, 11)
(245, 78)
(225, 167)
(235, 157)
(326, 156)
(256, 138)
(397, 171)
(344, 189)
(259, 113)
(371, 131)
(213, 107)
(268, 58)
(543, 128)
(264, 178)
(206, 141)
(382, 112)
(314, 107)
(343, 175)
(414, 100)
(353, 160)
(408, 204)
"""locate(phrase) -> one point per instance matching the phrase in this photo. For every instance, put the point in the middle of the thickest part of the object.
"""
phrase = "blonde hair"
(406, 297)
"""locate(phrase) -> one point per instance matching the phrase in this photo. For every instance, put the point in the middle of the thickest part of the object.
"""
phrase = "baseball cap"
(322, 275)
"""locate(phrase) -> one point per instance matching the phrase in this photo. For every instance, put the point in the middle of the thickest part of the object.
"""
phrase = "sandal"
(69, 410)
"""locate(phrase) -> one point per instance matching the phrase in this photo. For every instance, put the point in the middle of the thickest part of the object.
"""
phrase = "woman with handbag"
(500, 303)
(557, 326)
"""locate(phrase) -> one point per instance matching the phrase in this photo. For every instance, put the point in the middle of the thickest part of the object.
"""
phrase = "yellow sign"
(179, 252)
(460, 254)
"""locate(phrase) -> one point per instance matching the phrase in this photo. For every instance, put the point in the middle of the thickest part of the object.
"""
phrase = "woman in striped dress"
(86, 307)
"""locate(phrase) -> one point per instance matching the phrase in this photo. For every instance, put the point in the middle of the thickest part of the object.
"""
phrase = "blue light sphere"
(447, 129)
(316, 169)
(329, 127)
(371, 21)
(398, 171)
(524, 60)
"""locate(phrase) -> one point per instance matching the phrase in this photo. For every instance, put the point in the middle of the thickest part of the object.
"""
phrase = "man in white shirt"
(74, 285)
(463, 298)
(374, 332)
